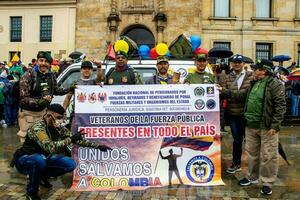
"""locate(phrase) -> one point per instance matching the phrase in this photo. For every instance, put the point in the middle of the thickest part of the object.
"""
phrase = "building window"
(140, 35)
(46, 28)
(223, 44)
(15, 29)
(298, 62)
(298, 9)
(222, 8)
(264, 51)
(12, 53)
(263, 8)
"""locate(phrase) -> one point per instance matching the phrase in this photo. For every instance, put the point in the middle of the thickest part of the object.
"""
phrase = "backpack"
(130, 71)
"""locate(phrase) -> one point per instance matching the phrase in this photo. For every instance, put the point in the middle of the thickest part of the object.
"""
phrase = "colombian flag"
(195, 143)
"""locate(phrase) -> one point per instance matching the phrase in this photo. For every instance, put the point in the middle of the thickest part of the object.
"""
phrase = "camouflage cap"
(162, 59)
(201, 56)
(263, 64)
(44, 54)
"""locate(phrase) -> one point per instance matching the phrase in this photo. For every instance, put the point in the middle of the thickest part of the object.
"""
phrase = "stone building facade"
(27, 26)
(255, 28)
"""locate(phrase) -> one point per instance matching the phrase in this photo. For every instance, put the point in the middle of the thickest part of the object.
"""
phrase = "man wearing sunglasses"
(122, 73)
(42, 154)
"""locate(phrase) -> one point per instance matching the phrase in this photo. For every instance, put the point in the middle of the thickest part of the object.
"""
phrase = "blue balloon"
(168, 54)
(145, 57)
(144, 51)
(195, 41)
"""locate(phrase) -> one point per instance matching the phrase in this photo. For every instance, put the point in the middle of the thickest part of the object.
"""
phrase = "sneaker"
(32, 197)
(266, 190)
(2, 121)
(4, 125)
(45, 183)
(234, 168)
(246, 181)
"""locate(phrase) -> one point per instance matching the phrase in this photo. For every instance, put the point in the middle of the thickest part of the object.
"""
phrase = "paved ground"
(12, 184)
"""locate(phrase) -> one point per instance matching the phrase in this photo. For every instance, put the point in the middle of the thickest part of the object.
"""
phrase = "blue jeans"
(237, 125)
(295, 105)
(10, 113)
(38, 167)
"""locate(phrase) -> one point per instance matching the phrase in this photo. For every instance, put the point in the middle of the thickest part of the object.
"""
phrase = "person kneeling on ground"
(42, 154)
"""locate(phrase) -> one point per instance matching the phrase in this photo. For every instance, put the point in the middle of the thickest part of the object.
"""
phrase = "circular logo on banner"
(182, 72)
(199, 104)
(200, 169)
(199, 91)
(211, 104)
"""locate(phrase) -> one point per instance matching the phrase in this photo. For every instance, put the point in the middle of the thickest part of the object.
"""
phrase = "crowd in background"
(10, 74)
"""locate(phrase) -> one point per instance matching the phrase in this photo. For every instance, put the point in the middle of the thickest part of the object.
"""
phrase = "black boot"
(45, 183)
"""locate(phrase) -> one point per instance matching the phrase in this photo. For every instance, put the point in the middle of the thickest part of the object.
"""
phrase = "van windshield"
(148, 75)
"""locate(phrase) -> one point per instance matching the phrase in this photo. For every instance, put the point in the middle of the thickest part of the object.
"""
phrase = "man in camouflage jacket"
(42, 154)
(36, 92)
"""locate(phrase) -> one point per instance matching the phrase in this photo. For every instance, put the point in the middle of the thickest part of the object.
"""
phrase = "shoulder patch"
(42, 135)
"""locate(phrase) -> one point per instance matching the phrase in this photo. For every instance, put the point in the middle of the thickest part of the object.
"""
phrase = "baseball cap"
(123, 53)
(44, 54)
(263, 64)
(237, 57)
(162, 59)
(57, 108)
(201, 56)
(87, 64)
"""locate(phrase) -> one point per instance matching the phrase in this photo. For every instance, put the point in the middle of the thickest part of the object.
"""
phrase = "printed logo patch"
(199, 91)
(200, 169)
(211, 104)
(210, 91)
(199, 104)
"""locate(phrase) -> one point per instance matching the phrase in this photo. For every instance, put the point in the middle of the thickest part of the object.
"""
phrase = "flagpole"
(156, 163)
(158, 156)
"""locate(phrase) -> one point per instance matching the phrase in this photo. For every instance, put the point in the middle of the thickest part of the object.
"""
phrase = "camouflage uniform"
(40, 140)
(128, 76)
(42, 154)
(33, 86)
(165, 80)
(200, 78)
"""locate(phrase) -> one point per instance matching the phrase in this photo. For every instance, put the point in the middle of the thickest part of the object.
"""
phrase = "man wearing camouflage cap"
(162, 65)
(200, 76)
(122, 73)
(36, 92)
(264, 112)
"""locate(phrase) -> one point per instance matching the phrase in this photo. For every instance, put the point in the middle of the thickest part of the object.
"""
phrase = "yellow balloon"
(121, 45)
(161, 49)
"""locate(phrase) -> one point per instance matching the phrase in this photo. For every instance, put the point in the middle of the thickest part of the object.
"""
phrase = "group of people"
(46, 144)
(256, 105)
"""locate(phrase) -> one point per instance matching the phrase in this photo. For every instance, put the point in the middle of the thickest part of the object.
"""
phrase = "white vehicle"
(146, 68)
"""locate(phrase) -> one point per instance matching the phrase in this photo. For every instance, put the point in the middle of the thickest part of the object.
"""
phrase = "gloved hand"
(73, 87)
(43, 102)
(103, 148)
(77, 136)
